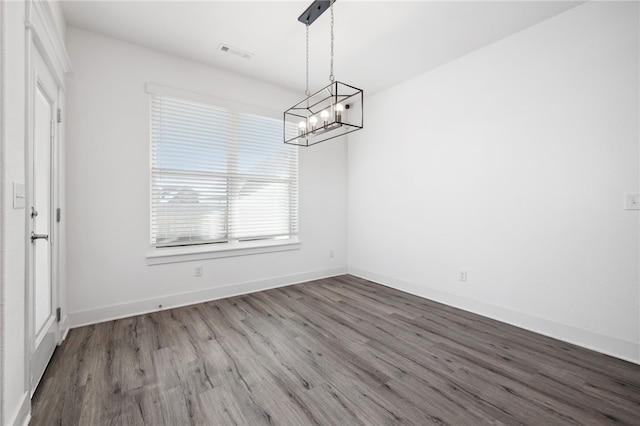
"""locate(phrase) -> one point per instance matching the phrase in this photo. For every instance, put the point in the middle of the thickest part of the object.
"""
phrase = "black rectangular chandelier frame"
(333, 111)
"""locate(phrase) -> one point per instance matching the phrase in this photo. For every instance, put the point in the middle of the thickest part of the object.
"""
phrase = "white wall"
(107, 165)
(511, 163)
(13, 241)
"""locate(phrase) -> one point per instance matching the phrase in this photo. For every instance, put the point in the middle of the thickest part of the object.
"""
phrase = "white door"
(42, 300)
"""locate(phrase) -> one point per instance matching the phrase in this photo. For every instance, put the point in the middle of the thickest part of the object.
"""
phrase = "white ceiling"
(377, 43)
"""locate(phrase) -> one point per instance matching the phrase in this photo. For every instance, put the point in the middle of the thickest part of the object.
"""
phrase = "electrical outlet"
(197, 271)
(462, 275)
(632, 202)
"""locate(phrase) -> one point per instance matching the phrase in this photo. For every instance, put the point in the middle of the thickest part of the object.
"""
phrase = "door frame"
(3, 204)
(34, 341)
(44, 37)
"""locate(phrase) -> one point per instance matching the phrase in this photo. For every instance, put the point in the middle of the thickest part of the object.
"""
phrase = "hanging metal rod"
(314, 11)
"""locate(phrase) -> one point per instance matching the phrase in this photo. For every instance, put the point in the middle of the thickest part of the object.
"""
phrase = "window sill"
(159, 256)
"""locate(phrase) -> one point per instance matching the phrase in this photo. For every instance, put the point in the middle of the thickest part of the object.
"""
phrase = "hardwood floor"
(335, 351)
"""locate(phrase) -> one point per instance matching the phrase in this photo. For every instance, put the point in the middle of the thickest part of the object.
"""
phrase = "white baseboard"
(22, 415)
(64, 328)
(107, 313)
(626, 350)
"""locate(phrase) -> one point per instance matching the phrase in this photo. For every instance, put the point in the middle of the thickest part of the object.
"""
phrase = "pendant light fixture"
(328, 113)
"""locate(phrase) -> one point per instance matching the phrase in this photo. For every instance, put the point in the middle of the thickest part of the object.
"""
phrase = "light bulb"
(325, 117)
(313, 121)
(302, 127)
(339, 109)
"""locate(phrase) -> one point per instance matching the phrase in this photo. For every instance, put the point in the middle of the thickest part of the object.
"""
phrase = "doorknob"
(35, 236)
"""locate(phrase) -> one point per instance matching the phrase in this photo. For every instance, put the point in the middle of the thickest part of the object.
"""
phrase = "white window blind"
(219, 176)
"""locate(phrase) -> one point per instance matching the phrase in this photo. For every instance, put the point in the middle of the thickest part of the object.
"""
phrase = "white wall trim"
(626, 350)
(3, 240)
(22, 416)
(160, 256)
(47, 37)
(107, 313)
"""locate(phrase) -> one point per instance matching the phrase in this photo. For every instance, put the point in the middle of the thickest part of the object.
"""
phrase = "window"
(219, 177)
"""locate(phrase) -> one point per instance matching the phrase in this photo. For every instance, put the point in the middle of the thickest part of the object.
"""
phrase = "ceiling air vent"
(232, 50)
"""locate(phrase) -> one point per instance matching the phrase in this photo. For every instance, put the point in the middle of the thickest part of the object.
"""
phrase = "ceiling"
(377, 43)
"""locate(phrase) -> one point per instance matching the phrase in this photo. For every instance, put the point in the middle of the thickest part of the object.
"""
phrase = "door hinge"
(59, 115)
(58, 315)
(58, 215)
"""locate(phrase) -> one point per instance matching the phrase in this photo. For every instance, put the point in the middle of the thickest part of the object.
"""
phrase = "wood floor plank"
(224, 407)
(341, 350)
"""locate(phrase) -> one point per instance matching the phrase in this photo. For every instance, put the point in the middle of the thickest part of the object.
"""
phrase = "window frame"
(171, 254)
